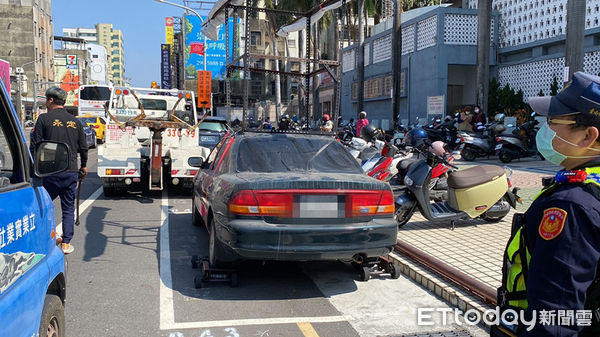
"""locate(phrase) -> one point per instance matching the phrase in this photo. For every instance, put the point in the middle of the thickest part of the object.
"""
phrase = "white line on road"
(82, 207)
(258, 321)
(167, 312)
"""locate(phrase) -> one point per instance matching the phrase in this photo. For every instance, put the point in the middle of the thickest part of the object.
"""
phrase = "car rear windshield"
(212, 126)
(88, 120)
(95, 93)
(281, 153)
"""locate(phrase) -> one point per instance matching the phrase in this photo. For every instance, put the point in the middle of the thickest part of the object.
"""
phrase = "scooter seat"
(474, 176)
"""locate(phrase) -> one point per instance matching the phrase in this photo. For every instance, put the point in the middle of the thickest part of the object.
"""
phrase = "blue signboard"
(165, 66)
(215, 50)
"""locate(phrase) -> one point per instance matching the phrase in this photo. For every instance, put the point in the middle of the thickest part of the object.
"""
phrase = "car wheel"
(504, 157)
(196, 217)
(215, 250)
(468, 154)
(52, 323)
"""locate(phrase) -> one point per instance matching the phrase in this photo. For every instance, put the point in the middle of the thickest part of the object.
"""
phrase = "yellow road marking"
(307, 329)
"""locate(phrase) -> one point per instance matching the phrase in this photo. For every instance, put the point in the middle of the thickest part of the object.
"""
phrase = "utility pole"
(575, 36)
(484, 18)
(19, 106)
(361, 57)
(397, 61)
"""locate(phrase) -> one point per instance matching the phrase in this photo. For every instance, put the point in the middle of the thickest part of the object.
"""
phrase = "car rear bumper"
(257, 239)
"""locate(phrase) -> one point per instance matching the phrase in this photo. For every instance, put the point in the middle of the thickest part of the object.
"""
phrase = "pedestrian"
(464, 120)
(362, 121)
(284, 123)
(478, 117)
(326, 123)
(60, 126)
(552, 261)
(266, 124)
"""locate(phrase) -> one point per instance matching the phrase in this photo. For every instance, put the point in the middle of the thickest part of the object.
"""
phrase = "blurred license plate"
(320, 206)
(209, 139)
(498, 147)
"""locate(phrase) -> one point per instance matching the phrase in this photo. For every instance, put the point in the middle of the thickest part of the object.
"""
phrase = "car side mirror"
(196, 162)
(51, 158)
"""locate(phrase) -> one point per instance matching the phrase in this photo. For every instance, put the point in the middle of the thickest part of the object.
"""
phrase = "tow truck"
(150, 134)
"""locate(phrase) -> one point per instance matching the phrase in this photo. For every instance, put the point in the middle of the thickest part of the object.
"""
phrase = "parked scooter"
(482, 145)
(477, 192)
(516, 147)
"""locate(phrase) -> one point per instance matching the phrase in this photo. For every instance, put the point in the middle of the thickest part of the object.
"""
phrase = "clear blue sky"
(142, 23)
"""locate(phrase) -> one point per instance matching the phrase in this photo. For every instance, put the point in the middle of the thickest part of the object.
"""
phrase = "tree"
(484, 18)
(554, 87)
(575, 35)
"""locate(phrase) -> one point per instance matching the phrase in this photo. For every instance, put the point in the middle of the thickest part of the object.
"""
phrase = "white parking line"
(167, 311)
(87, 203)
(167, 314)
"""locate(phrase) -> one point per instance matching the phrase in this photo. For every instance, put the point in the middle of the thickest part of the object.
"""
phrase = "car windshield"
(212, 126)
(282, 153)
(87, 119)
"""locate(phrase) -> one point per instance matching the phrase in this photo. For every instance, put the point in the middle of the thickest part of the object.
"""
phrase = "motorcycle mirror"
(509, 125)
(480, 127)
(533, 114)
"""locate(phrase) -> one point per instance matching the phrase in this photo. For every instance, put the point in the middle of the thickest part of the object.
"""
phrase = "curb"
(451, 294)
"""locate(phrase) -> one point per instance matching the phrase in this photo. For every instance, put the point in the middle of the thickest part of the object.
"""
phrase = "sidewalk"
(476, 247)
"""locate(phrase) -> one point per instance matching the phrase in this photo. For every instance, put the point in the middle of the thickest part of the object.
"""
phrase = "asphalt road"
(130, 275)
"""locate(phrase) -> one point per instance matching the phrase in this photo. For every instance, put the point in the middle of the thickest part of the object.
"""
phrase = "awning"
(216, 17)
(300, 23)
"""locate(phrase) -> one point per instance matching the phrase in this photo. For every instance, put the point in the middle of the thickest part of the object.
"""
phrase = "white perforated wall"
(408, 39)
(524, 21)
(533, 76)
(427, 32)
(367, 53)
(349, 60)
(382, 48)
(462, 29)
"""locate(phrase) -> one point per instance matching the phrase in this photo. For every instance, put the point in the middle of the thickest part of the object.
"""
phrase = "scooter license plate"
(498, 147)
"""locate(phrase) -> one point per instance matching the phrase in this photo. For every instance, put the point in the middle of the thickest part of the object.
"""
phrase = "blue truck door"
(27, 248)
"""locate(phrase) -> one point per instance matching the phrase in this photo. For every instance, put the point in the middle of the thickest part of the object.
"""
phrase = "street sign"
(71, 61)
(435, 105)
(204, 88)
(165, 66)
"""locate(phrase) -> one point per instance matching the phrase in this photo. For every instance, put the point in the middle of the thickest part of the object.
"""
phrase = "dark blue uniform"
(59, 125)
(563, 237)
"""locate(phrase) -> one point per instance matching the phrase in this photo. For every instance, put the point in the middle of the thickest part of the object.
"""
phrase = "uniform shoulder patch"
(553, 222)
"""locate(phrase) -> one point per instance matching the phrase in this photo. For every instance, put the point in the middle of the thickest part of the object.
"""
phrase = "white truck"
(150, 135)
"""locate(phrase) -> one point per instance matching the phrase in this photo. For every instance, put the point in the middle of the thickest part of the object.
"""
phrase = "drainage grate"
(462, 333)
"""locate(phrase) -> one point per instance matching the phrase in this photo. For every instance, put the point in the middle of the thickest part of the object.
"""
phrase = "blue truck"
(32, 267)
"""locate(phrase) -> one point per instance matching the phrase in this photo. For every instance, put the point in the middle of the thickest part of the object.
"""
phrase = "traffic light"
(154, 85)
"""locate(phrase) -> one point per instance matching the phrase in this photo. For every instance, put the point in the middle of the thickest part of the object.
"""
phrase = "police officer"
(60, 126)
(551, 269)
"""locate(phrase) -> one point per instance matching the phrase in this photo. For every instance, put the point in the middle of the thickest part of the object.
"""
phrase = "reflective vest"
(513, 292)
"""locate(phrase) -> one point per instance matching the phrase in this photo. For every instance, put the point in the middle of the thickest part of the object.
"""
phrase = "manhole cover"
(440, 334)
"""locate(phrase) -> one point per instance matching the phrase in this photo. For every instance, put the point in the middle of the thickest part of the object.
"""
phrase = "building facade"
(27, 42)
(111, 39)
(439, 48)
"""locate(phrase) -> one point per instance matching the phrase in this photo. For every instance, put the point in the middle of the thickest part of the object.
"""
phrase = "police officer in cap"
(551, 267)
(60, 126)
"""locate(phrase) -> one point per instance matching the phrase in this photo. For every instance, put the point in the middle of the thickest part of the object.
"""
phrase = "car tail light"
(96, 126)
(191, 172)
(115, 172)
(280, 203)
(262, 203)
(125, 92)
(362, 203)
(498, 139)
